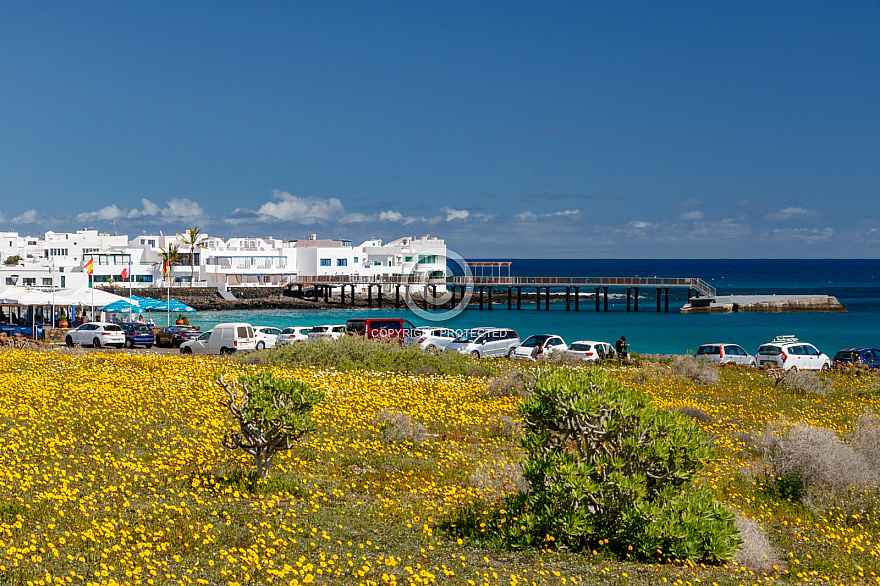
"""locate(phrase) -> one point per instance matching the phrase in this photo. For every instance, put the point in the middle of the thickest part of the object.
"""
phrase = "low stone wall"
(809, 304)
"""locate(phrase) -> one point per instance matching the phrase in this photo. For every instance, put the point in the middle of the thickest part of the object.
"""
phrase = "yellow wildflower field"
(112, 472)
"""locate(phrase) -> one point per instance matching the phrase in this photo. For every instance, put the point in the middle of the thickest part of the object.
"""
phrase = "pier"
(387, 289)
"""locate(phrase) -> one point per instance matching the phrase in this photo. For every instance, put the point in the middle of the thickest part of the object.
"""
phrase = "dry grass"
(703, 373)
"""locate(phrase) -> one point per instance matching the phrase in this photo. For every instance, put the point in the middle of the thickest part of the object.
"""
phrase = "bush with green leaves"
(272, 414)
(609, 471)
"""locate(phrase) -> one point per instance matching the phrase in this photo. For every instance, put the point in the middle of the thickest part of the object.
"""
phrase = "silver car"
(432, 339)
(485, 342)
(723, 353)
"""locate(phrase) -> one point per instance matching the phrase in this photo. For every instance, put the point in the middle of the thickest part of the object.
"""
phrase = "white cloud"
(29, 217)
(529, 215)
(726, 228)
(110, 212)
(304, 210)
(791, 212)
(641, 225)
(694, 215)
(805, 234)
(388, 216)
(453, 214)
(175, 210)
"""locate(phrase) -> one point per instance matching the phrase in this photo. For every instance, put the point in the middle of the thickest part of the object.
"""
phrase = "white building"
(59, 260)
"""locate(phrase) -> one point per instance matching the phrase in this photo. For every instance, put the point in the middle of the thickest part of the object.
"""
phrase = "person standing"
(622, 348)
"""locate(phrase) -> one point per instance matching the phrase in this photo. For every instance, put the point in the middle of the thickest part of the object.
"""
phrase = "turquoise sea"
(856, 284)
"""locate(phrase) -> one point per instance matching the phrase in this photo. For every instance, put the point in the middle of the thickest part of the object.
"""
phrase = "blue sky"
(545, 129)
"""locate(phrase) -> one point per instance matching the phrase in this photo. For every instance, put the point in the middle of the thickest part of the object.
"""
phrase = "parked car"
(539, 346)
(326, 332)
(174, 336)
(96, 334)
(225, 338)
(198, 345)
(267, 336)
(485, 342)
(590, 350)
(293, 334)
(432, 339)
(789, 353)
(137, 334)
(867, 357)
(376, 328)
(722, 353)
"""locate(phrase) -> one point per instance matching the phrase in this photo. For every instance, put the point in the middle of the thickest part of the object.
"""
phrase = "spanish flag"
(90, 266)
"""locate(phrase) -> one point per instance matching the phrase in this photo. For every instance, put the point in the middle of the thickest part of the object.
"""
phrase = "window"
(143, 278)
(325, 262)
(427, 259)
(407, 259)
(9, 280)
(57, 252)
(47, 281)
(341, 262)
(30, 281)
(355, 260)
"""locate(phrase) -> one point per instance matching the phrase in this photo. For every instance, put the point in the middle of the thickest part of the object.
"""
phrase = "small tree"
(12, 260)
(272, 414)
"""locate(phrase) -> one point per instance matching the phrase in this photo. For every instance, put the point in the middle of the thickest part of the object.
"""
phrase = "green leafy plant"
(272, 414)
(607, 470)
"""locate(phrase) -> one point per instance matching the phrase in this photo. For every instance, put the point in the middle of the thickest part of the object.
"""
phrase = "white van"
(223, 339)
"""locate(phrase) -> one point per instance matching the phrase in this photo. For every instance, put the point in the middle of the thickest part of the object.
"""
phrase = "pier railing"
(489, 281)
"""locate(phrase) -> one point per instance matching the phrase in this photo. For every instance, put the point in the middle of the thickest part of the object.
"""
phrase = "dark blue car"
(867, 357)
(138, 335)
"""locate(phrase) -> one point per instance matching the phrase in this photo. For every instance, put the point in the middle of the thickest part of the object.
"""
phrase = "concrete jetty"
(763, 304)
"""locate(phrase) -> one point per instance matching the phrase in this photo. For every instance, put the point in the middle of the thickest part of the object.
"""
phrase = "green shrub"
(271, 414)
(608, 471)
(359, 353)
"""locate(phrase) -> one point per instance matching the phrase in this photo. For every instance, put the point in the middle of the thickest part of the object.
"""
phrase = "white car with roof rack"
(789, 353)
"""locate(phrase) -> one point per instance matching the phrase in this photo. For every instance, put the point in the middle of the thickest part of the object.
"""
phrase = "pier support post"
(397, 297)
(518, 298)
(452, 300)
(490, 299)
(606, 298)
(538, 292)
(327, 289)
(481, 298)
(299, 291)
(628, 292)
(667, 299)
(576, 297)
(379, 296)
(342, 296)
(547, 300)
(509, 298)
(568, 299)
(636, 302)
(369, 296)
(598, 297)
(434, 293)
(659, 295)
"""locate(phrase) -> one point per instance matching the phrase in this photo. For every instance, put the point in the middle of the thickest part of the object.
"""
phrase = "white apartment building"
(58, 260)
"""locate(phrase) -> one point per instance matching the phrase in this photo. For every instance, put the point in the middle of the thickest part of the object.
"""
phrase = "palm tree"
(194, 239)
(169, 255)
